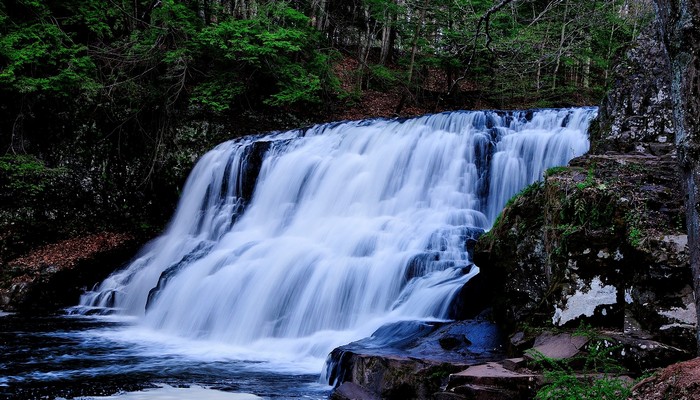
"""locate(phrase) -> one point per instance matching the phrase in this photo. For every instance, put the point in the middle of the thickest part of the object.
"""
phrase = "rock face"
(637, 114)
(605, 242)
(680, 23)
(602, 242)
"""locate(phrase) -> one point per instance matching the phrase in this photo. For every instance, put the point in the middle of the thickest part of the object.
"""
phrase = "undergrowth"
(595, 377)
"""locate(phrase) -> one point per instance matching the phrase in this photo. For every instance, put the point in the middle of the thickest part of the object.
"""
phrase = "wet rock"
(410, 360)
(351, 391)
(475, 296)
(449, 342)
(200, 251)
(603, 243)
(397, 377)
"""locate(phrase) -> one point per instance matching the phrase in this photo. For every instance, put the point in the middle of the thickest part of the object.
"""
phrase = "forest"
(108, 104)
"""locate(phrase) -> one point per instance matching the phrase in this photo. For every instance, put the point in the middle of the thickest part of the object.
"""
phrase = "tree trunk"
(680, 20)
(365, 45)
(411, 65)
(319, 15)
(587, 65)
(387, 39)
(560, 50)
(414, 45)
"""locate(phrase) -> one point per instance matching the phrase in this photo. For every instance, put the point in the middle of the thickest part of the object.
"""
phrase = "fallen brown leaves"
(66, 253)
(679, 381)
(374, 104)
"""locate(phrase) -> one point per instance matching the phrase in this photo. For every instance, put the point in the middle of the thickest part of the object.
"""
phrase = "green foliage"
(529, 190)
(40, 57)
(554, 171)
(595, 380)
(635, 236)
(24, 177)
(526, 191)
(383, 78)
(590, 176)
(272, 55)
(106, 85)
(634, 231)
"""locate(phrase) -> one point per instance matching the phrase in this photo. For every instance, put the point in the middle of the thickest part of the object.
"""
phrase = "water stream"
(287, 245)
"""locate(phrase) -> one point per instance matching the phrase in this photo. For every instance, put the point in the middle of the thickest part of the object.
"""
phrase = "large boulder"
(637, 113)
(411, 359)
(602, 243)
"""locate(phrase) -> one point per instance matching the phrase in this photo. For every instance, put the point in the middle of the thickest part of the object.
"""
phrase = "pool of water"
(62, 356)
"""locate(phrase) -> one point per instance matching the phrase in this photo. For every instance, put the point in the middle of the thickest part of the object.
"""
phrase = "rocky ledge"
(439, 362)
(54, 276)
(412, 359)
(601, 243)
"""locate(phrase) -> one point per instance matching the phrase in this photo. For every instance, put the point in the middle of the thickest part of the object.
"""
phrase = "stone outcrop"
(411, 360)
(680, 24)
(637, 113)
(603, 243)
(372, 375)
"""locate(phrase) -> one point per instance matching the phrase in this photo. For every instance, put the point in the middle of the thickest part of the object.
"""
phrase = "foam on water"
(166, 392)
(288, 245)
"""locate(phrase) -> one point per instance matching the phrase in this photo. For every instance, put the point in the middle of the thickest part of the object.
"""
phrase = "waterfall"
(308, 239)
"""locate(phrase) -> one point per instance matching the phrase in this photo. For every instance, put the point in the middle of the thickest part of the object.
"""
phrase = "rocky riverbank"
(601, 244)
(53, 276)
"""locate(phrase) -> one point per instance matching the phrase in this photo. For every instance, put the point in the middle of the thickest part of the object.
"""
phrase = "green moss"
(633, 167)
(590, 178)
(555, 171)
(635, 235)
(526, 191)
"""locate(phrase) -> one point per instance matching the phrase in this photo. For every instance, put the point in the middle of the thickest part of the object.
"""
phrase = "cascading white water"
(324, 249)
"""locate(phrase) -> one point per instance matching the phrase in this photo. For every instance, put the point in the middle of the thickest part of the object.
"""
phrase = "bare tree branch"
(484, 22)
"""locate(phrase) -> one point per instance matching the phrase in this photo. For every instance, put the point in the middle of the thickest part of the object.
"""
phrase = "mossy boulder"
(602, 242)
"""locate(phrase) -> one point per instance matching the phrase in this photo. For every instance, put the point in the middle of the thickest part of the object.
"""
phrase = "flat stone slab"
(559, 347)
(352, 391)
(494, 381)
(492, 374)
(514, 364)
